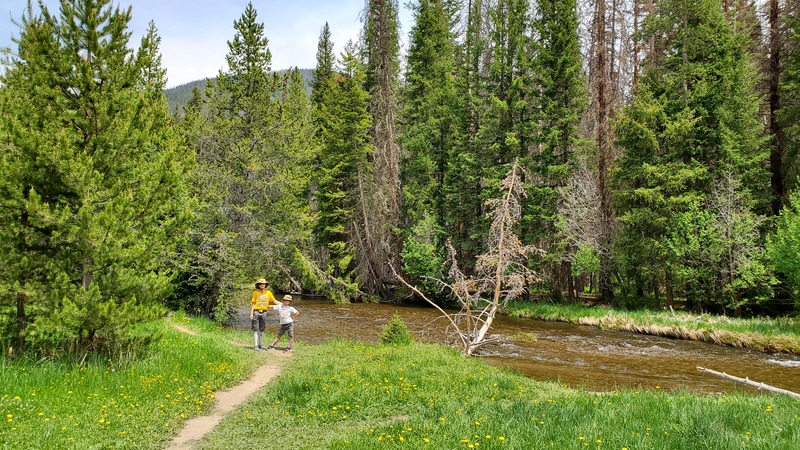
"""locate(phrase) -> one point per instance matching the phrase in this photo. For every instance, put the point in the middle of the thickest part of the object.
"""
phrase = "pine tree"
(321, 83)
(254, 133)
(784, 245)
(463, 179)
(773, 69)
(507, 125)
(324, 69)
(294, 132)
(205, 256)
(601, 97)
(560, 100)
(430, 129)
(93, 181)
(344, 150)
(789, 112)
(694, 123)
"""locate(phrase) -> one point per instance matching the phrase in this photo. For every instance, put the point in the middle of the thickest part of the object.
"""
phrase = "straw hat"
(261, 281)
(287, 297)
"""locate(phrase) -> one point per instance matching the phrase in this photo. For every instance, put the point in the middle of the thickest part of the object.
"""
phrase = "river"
(570, 354)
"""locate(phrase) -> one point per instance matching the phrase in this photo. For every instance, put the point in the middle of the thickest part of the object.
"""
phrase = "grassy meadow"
(139, 402)
(346, 395)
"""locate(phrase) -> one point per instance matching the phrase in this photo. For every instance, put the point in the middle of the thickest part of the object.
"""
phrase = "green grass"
(345, 395)
(108, 404)
(763, 334)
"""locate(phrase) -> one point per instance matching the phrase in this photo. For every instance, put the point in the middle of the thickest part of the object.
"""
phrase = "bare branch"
(501, 272)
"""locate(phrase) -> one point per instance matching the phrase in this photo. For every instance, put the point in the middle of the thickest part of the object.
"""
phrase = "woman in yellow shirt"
(259, 305)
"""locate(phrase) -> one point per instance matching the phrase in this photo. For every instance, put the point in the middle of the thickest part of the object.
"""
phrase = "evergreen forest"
(656, 143)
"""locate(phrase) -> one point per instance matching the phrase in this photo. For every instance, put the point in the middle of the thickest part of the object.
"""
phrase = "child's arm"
(295, 313)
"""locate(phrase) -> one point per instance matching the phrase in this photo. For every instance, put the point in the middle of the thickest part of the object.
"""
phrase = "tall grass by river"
(760, 333)
(345, 395)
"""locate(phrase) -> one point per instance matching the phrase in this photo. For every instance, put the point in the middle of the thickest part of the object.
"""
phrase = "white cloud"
(186, 60)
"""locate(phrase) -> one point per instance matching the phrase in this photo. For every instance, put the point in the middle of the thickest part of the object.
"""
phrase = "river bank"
(780, 335)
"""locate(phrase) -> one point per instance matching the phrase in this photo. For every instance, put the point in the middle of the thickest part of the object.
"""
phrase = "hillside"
(178, 96)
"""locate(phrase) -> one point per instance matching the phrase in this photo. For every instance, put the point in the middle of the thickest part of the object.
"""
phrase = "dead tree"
(379, 189)
(500, 273)
(749, 382)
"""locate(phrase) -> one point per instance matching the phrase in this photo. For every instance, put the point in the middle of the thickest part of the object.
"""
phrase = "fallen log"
(749, 382)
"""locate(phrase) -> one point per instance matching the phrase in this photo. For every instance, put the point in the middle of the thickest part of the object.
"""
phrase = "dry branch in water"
(749, 382)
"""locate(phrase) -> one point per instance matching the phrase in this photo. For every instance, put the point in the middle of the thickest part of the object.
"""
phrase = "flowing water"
(573, 355)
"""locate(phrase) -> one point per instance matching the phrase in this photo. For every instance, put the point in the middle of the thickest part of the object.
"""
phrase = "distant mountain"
(179, 95)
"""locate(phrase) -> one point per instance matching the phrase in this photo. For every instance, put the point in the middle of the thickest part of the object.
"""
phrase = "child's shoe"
(271, 347)
(287, 350)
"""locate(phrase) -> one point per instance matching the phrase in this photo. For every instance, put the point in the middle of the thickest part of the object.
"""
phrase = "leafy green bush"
(585, 261)
(395, 332)
(784, 245)
(224, 313)
(421, 256)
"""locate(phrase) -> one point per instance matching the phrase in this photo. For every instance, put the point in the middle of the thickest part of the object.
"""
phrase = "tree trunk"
(748, 382)
(636, 12)
(498, 274)
(22, 317)
(775, 129)
(570, 281)
(606, 288)
(22, 321)
(670, 295)
(580, 284)
(211, 299)
(382, 197)
(639, 284)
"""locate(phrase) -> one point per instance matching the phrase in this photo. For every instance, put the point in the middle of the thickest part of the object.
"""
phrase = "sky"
(195, 33)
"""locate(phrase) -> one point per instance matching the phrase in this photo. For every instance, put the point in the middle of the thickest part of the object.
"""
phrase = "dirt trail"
(226, 401)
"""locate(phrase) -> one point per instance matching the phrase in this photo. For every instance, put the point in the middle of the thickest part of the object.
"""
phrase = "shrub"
(395, 332)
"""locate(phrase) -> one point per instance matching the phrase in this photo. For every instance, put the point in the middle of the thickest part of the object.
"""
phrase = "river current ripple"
(574, 355)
